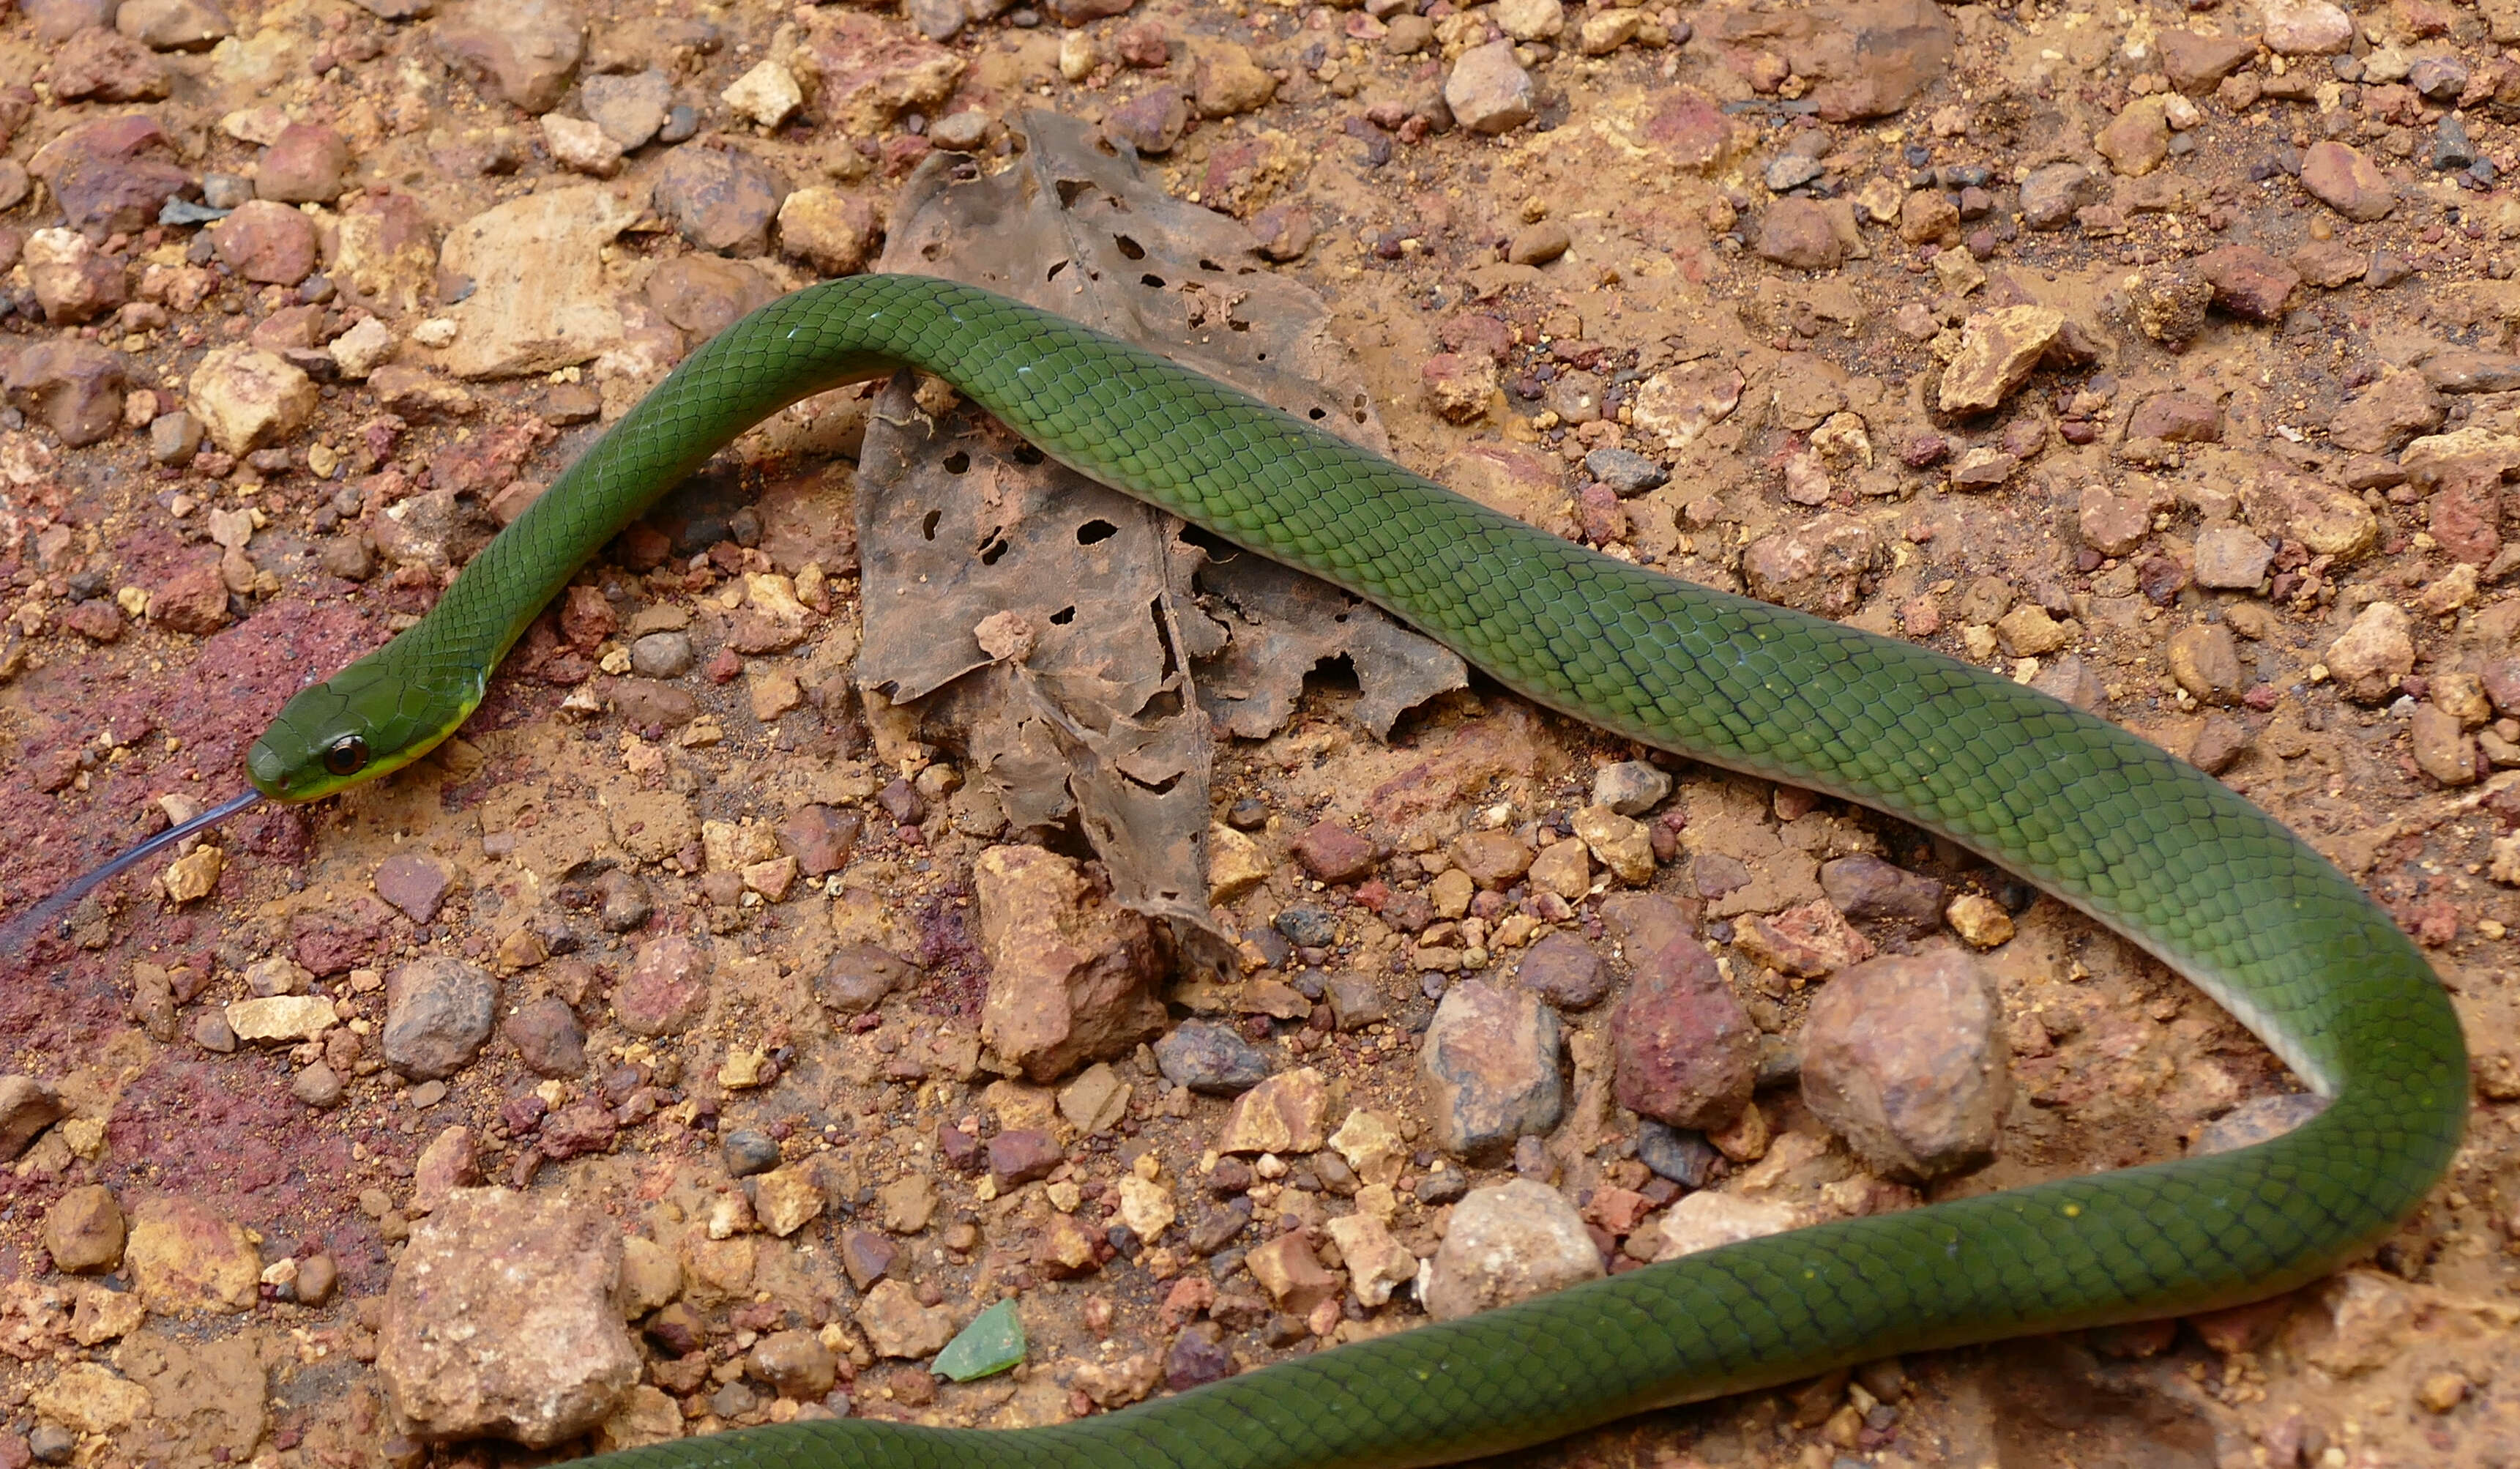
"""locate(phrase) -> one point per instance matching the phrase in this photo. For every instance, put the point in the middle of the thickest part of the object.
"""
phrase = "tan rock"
(1072, 974)
(467, 1353)
(246, 397)
(1998, 350)
(1284, 1115)
(186, 1257)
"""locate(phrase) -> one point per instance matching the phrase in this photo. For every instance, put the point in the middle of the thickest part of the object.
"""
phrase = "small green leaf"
(991, 1344)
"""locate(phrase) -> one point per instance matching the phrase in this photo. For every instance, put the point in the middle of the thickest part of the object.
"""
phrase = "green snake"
(2144, 843)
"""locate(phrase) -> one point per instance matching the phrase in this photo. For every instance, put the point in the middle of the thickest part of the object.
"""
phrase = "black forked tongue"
(17, 940)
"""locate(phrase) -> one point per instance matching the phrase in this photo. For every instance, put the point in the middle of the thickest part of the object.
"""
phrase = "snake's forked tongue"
(19, 937)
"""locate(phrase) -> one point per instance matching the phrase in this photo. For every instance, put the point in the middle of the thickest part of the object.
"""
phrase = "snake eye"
(348, 756)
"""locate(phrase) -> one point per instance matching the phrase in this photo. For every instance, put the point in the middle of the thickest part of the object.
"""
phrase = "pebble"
(1684, 1050)
(1564, 969)
(1905, 1057)
(318, 1085)
(438, 1012)
(1489, 1067)
(548, 1037)
(2205, 659)
(307, 164)
(2343, 179)
(1979, 920)
(85, 1230)
(1682, 1155)
(2373, 653)
(835, 231)
(27, 1107)
(1798, 234)
(1285, 1115)
(521, 52)
(2228, 558)
(749, 1151)
(1072, 974)
(1538, 244)
(1332, 853)
(465, 1353)
(1709, 1220)
(417, 884)
(1210, 1058)
(720, 199)
(75, 387)
(1509, 1243)
(247, 398)
(662, 655)
(666, 989)
(625, 904)
(187, 1256)
(1488, 90)
(1629, 474)
(1197, 1356)
(630, 109)
(1998, 351)
(2304, 27)
(897, 1325)
(1868, 889)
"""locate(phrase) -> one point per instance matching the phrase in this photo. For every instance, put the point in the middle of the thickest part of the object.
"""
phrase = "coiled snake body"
(2144, 843)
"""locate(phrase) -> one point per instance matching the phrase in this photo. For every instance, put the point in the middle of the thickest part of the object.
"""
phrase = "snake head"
(366, 721)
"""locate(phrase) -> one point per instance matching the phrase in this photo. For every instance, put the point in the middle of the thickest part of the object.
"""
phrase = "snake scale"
(2145, 844)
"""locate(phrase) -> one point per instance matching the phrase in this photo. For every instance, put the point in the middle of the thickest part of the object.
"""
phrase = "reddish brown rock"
(85, 1230)
(1021, 1154)
(192, 599)
(104, 65)
(306, 165)
(2344, 180)
(416, 884)
(666, 989)
(76, 388)
(1151, 123)
(820, 837)
(1906, 1058)
(1796, 233)
(2195, 62)
(547, 1038)
(114, 173)
(2382, 417)
(521, 52)
(1072, 973)
(2248, 282)
(1684, 1051)
(268, 242)
(1334, 854)
(2178, 417)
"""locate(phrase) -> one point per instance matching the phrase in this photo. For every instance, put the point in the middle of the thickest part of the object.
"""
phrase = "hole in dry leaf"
(1150, 280)
(956, 462)
(1129, 249)
(1055, 266)
(1095, 532)
(1315, 414)
(930, 251)
(993, 551)
(1027, 454)
(1205, 264)
(927, 526)
(1063, 617)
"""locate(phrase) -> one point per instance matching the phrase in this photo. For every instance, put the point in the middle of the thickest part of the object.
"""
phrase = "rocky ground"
(736, 1040)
